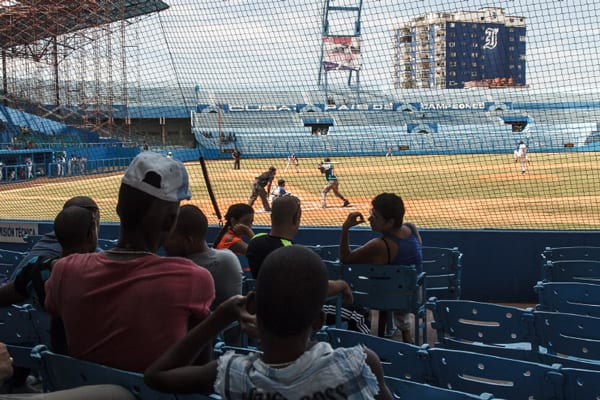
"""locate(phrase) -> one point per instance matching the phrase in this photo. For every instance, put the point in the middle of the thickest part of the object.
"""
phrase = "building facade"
(463, 49)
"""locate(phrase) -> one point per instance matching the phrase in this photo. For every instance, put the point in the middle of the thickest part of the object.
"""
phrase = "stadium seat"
(399, 360)
(64, 372)
(581, 384)
(569, 297)
(569, 336)
(405, 389)
(19, 333)
(581, 271)
(443, 268)
(8, 262)
(106, 244)
(484, 327)
(389, 288)
(502, 377)
(571, 253)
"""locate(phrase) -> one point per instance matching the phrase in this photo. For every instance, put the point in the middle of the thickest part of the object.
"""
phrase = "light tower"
(340, 40)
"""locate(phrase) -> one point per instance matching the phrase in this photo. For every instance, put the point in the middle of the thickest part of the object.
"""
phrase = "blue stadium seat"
(581, 271)
(568, 336)
(571, 253)
(390, 288)
(443, 267)
(19, 333)
(64, 372)
(569, 297)
(8, 262)
(502, 377)
(405, 389)
(484, 327)
(581, 384)
(399, 360)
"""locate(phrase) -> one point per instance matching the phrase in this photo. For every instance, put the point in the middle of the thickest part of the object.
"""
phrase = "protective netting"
(478, 114)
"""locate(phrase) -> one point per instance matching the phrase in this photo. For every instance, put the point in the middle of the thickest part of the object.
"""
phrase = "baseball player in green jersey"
(326, 167)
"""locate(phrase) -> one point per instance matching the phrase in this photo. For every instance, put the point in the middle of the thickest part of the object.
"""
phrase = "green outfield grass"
(559, 190)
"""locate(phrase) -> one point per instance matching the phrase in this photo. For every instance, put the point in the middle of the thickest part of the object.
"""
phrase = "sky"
(257, 43)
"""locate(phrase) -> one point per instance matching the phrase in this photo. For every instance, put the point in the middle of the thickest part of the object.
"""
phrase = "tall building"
(463, 49)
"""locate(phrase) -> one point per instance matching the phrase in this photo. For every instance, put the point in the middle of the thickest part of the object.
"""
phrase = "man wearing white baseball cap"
(126, 306)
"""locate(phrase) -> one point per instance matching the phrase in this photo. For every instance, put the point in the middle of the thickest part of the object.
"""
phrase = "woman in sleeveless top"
(399, 244)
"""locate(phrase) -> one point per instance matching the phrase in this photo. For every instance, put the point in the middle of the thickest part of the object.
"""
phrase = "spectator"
(262, 186)
(399, 244)
(289, 366)
(285, 222)
(237, 156)
(29, 167)
(188, 239)
(238, 223)
(135, 303)
(48, 245)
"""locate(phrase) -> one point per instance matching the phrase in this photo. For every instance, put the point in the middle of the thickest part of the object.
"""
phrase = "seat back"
(389, 288)
(329, 252)
(64, 372)
(107, 244)
(405, 389)
(443, 267)
(502, 377)
(484, 327)
(569, 297)
(581, 271)
(8, 262)
(581, 384)
(568, 334)
(400, 360)
(571, 253)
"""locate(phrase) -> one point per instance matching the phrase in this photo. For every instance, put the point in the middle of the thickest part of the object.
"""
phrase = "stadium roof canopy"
(24, 22)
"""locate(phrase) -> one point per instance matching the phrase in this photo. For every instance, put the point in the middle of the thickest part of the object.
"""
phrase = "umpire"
(258, 188)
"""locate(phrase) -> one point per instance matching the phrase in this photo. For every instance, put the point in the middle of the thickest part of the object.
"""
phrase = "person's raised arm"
(353, 219)
(172, 371)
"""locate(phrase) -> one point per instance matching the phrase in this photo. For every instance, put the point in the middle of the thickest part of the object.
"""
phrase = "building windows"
(473, 74)
(452, 73)
(451, 44)
(452, 64)
(452, 54)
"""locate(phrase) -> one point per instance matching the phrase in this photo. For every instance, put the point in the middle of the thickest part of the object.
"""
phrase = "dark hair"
(281, 182)
(72, 226)
(236, 211)
(192, 222)
(327, 159)
(272, 168)
(290, 290)
(390, 206)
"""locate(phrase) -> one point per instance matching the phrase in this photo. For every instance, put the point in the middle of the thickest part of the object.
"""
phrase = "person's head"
(149, 196)
(281, 182)
(327, 159)
(290, 291)
(84, 202)
(189, 234)
(76, 230)
(240, 213)
(387, 212)
(286, 213)
(272, 170)
(521, 142)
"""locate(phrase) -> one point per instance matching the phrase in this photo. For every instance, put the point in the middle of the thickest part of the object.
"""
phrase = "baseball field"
(478, 191)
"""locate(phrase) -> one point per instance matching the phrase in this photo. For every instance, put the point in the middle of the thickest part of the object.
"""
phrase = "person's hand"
(243, 230)
(6, 368)
(232, 308)
(353, 219)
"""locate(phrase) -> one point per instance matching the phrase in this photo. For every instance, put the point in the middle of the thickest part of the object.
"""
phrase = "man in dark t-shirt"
(258, 188)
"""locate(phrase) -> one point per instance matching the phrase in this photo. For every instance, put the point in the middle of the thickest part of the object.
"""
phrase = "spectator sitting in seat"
(188, 239)
(290, 366)
(48, 246)
(400, 244)
(239, 219)
(124, 307)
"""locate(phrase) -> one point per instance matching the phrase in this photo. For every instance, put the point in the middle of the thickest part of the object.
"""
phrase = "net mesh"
(478, 115)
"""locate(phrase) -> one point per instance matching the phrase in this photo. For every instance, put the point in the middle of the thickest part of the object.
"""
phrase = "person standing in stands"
(262, 186)
(326, 167)
(399, 244)
(125, 306)
(290, 291)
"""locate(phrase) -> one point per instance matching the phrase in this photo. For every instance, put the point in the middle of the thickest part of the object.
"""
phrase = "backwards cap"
(159, 176)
